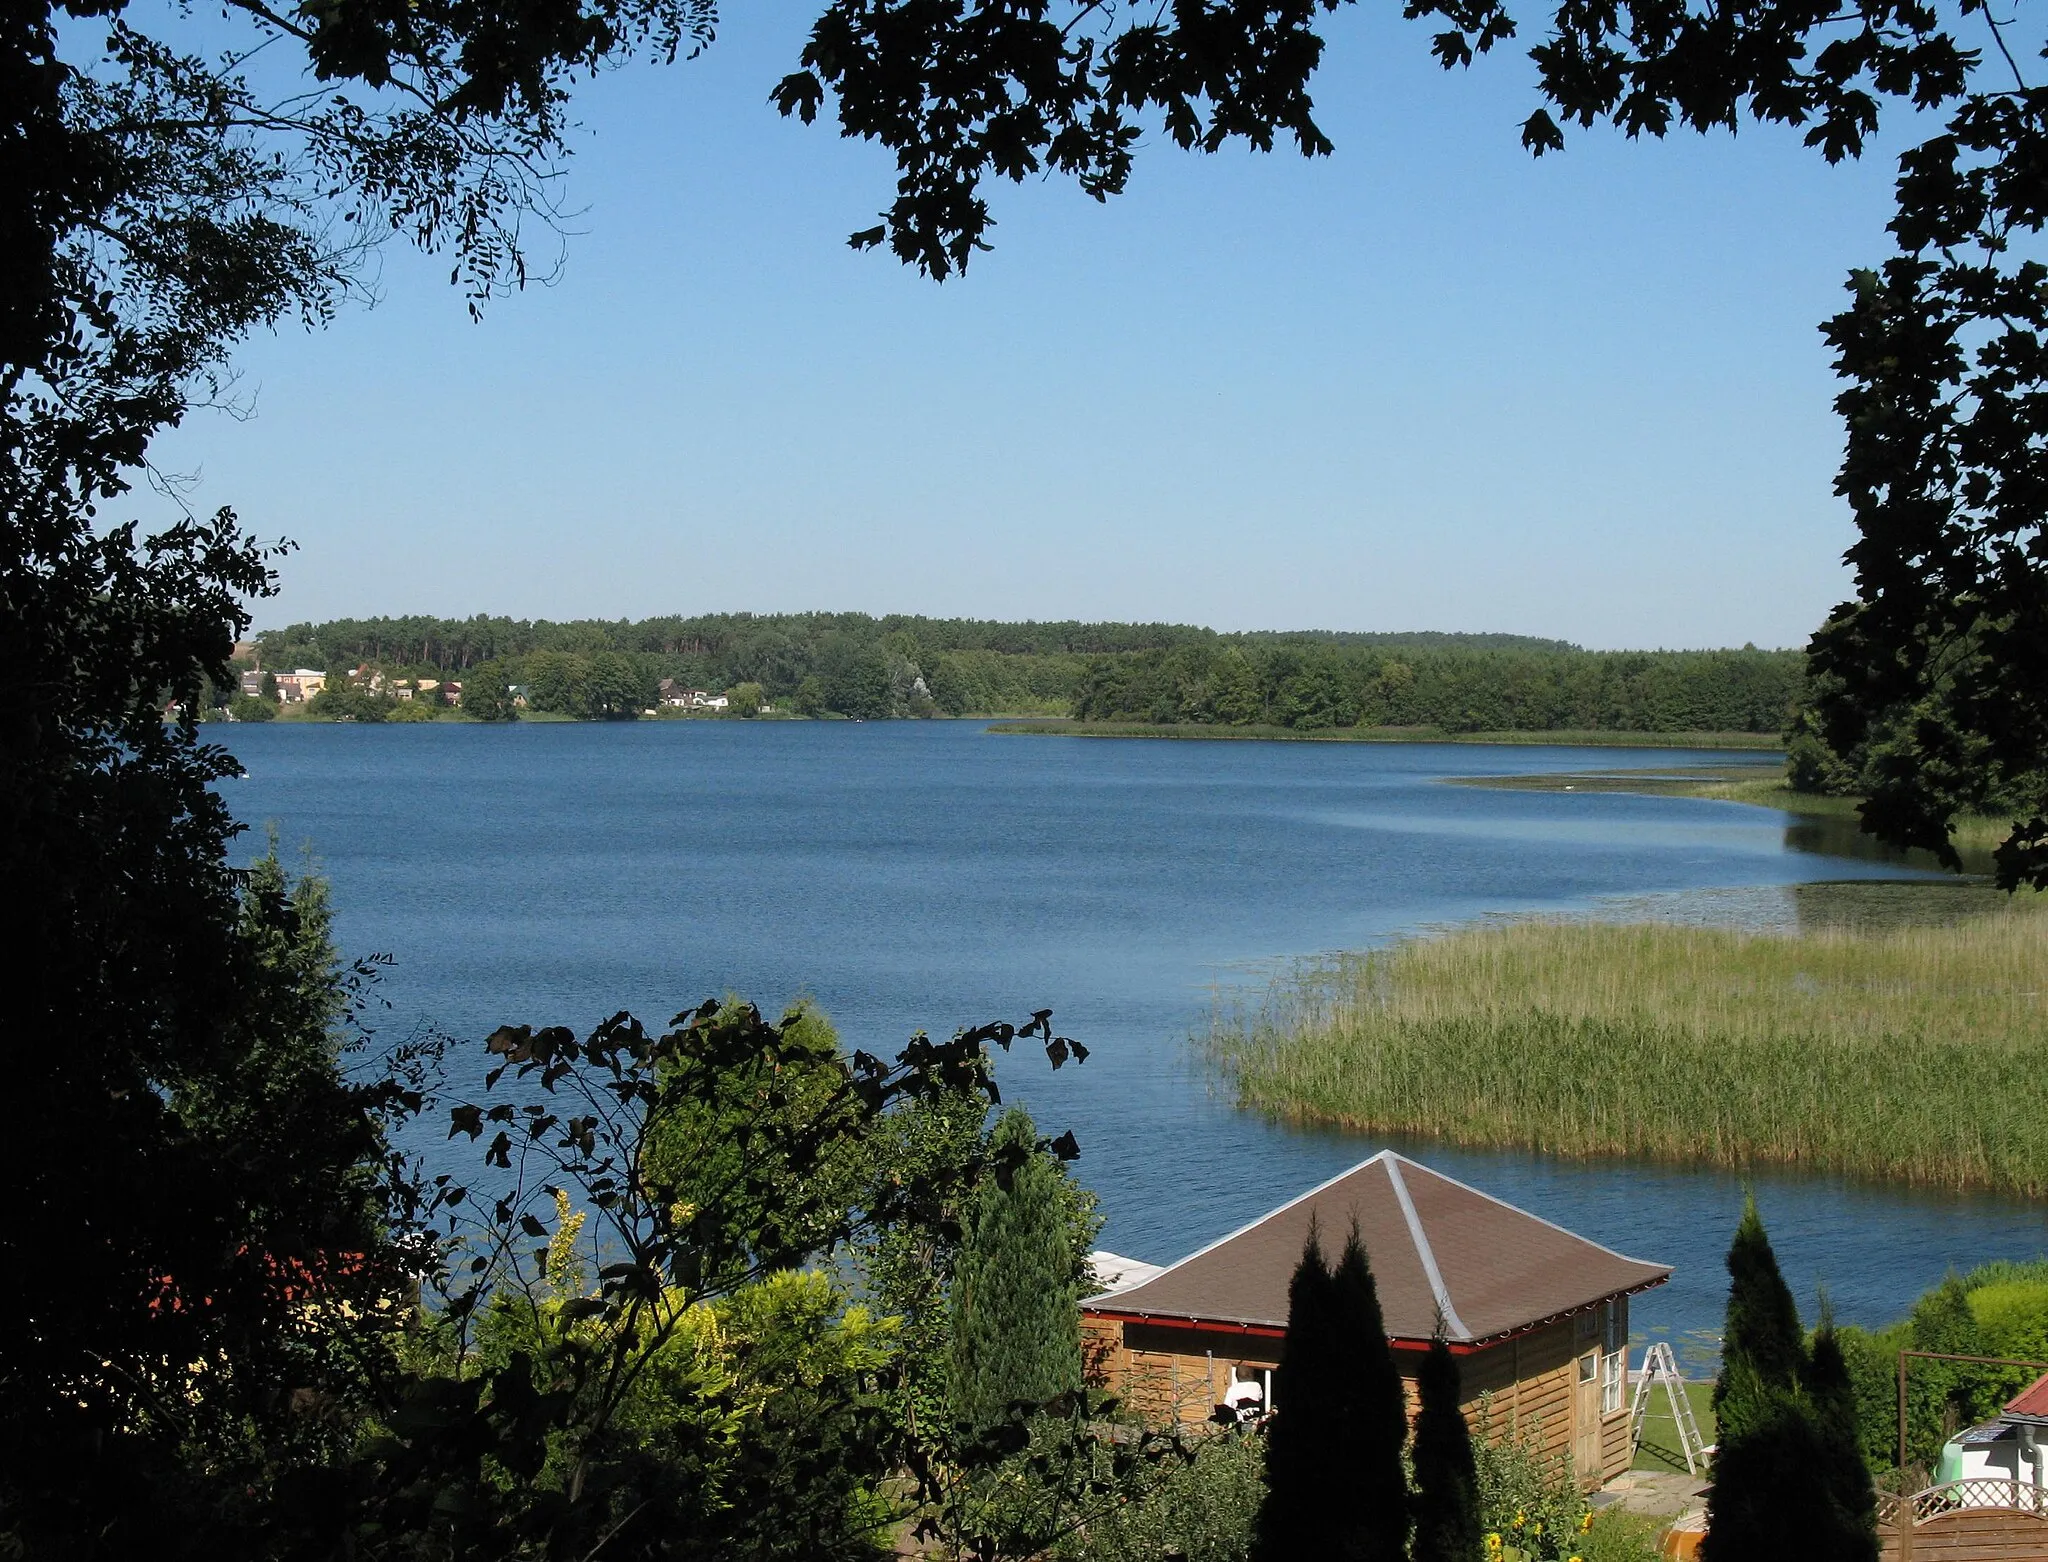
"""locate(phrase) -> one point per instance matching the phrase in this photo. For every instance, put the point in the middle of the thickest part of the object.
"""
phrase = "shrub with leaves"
(1528, 1501)
(1203, 1511)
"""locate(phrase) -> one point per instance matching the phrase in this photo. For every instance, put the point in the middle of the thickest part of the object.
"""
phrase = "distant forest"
(852, 664)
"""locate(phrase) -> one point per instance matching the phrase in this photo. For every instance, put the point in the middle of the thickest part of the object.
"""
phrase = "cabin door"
(1586, 1417)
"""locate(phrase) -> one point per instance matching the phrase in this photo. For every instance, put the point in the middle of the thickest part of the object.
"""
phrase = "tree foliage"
(856, 665)
(487, 693)
(1999, 1309)
(1789, 1476)
(1015, 1303)
(1335, 1482)
(205, 1296)
(626, 1354)
(1446, 1476)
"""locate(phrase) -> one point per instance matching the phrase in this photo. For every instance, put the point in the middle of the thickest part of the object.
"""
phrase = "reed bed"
(1911, 1054)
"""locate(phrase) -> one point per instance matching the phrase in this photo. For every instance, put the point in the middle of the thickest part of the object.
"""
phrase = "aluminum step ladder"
(1659, 1366)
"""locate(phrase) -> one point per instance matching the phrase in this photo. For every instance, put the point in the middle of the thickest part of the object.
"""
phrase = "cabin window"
(1614, 1356)
(1612, 1372)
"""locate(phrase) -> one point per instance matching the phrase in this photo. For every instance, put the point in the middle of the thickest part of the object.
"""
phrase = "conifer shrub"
(1336, 1483)
(1446, 1476)
(1015, 1304)
(1789, 1476)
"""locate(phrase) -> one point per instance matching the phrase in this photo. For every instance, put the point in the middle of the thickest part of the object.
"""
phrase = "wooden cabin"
(1537, 1317)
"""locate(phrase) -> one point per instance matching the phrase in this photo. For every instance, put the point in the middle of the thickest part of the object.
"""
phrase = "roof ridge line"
(1445, 1307)
(1278, 1209)
(1525, 1214)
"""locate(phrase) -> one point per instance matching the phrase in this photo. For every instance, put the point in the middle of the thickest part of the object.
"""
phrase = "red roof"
(1444, 1255)
(2031, 1403)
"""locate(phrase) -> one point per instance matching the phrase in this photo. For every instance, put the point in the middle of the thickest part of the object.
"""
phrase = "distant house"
(303, 684)
(677, 697)
(1536, 1316)
(251, 682)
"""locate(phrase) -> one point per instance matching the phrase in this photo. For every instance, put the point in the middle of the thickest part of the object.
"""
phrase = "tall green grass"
(1912, 1054)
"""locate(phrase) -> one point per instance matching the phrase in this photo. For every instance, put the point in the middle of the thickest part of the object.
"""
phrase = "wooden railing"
(1987, 1518)
(1979, 1491)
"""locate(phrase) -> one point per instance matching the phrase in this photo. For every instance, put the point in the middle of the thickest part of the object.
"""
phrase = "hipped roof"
(1445, 1256)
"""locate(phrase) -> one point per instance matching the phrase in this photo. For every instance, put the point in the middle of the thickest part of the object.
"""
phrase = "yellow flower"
(1585, 1521)
(1521, 1518)
(1538, 1529)
(1493, 1542)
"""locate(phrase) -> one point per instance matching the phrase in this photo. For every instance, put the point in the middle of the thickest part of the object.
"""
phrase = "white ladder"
(1660, 1367)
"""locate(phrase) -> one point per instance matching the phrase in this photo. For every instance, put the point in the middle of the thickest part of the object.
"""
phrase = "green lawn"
(1659, 1447)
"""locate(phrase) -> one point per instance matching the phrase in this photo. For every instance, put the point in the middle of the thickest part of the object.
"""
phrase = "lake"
(932, 875)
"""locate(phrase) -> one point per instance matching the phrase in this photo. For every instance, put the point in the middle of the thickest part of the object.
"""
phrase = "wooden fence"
(1985, 1519)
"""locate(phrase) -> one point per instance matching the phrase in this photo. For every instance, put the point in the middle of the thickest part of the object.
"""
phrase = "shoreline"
(1974, 835)
(1068, 727)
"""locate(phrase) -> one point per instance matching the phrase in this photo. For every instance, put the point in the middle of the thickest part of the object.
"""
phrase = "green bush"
(1526, 1497)
(347, 703)
(1616, 1535)
(2000, 1309)
(1202, 1511)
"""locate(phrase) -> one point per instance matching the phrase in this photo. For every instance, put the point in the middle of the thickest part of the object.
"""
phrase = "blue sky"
(1427, 383)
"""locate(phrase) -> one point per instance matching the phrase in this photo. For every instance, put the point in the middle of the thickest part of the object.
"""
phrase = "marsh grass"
(1910, 1054)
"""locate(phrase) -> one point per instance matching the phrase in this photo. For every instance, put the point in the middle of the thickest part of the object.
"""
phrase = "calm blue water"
(930, 875)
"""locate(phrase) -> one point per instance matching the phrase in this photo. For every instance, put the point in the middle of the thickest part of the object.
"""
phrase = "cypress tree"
(1843, 1473)
(1762, 1331)
(1335, 1486)
(1779, 1484)
(1375, 1413)
(1015, 1314)
(1304, 1475)
(1447, 1525)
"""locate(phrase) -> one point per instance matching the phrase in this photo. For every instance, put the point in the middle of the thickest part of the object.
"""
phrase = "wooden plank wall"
(1178, 1376)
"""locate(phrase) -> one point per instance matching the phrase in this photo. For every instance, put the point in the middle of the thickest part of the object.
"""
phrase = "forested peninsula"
(1157, 675)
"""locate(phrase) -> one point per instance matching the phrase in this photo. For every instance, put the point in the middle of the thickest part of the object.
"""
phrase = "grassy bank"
(1137, 729)
(1909, 1054)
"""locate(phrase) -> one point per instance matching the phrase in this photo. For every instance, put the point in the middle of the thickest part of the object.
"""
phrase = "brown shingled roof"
(1438, 1248)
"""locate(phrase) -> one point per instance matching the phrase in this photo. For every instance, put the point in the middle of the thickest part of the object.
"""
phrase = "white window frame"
(1613, 1378)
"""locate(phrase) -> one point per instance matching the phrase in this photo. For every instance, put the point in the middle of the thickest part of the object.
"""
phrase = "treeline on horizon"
(855, 664)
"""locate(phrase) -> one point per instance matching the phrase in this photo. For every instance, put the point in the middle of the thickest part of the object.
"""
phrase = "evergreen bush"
(1789, 1477)
(1015, 1304)
(1446, 1476)
(1336, 1485)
